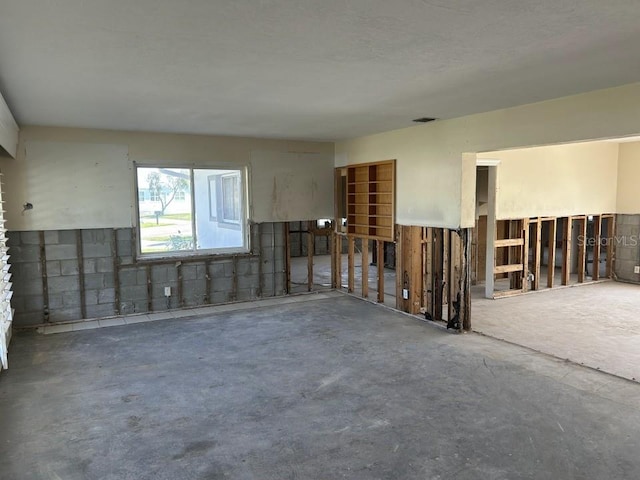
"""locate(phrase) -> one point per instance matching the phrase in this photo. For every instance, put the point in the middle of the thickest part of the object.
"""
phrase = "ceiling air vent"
(424, 120)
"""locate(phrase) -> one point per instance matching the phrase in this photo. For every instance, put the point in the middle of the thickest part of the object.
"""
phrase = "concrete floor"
(597, 325)
(329, 387)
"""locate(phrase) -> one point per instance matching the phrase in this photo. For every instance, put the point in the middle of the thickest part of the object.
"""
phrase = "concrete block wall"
(64, 275)
(627, 247)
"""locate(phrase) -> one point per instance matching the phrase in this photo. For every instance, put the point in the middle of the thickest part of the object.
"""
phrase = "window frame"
(245, 208)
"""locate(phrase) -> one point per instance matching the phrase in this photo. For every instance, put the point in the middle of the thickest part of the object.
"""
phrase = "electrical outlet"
(167, 291)
(636, 269)
(405, 293)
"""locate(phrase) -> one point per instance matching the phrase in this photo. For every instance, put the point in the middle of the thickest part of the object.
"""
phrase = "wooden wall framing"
(523, 243)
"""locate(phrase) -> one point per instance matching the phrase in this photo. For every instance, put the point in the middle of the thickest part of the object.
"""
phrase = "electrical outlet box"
(636, 269)
(405, 293)
(167, 291)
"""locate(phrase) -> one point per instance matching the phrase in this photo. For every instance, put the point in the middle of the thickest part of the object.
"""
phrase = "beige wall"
(432, 167)
(629, 178)
(561, 180)
(79, 178)
(8, 129)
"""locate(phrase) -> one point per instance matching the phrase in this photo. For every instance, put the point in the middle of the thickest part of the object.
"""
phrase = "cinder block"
(133, 293)
(248, 282)
(104, 265)
(89, 265)
(30, 303)
(63, 284)
(69, 267)
(95, 281)
(65, 314)
(96, 250)
(189, 272)
(229, 270)
(27, 287)
(30, 238)
(245, 294)
(61, 252)
(220, 297)
(25, 319)
(13, 239)
(222, 284)
(53, 268)
(51, 237)
(70, 299)
(91, 297)
(68, 237)
(216, 269)
(25, 253)
(128, 277)
(106, 295)
(124, 248)
(27, 271)
(99, 311)
(128, 260)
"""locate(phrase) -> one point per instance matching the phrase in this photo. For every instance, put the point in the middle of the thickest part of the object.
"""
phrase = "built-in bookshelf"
(371, 200)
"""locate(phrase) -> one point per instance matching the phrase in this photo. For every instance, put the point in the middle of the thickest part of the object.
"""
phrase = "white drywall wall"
(558, 180)
(629, 178)
(431, 161)
(57, 166)
(290, 186)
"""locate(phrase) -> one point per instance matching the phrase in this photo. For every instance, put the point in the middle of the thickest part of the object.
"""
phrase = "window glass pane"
(219, 208)
(165, 210)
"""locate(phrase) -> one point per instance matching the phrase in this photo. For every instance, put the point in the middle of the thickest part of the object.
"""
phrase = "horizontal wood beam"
(515, 267)
(509, 242)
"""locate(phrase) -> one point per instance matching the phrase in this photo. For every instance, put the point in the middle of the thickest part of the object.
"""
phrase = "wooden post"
(351, 273)
(380, 265)
(287, 258)
(337, 267)
(566, 250)
(597, 234)
(464, 312)
(551, 256)
(399, 267)
(311, 242)
(537, 255)
(365, 267)
(438, 272)
(428, 273)
(450, 273)
(582, 250)
(525, 255)
(415, 268)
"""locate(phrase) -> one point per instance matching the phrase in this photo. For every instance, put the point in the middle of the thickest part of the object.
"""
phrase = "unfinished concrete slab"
(597, 325)
(333, 388)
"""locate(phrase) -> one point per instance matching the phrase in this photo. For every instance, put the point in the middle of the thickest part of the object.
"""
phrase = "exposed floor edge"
(437, 324)
(542, 290)
(551, 355)
(179, 313)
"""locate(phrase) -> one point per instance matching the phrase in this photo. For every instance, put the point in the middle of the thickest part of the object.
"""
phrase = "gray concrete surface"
(596, 325)
(321, 389)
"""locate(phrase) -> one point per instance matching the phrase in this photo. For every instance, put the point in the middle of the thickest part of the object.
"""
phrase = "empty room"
(313, 240)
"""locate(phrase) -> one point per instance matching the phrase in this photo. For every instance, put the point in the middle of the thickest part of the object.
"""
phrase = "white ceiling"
(309, 69)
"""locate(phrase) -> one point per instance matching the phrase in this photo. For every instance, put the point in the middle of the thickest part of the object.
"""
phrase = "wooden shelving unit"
(371, 200)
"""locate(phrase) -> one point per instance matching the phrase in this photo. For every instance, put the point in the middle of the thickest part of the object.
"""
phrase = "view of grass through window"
(189, 210)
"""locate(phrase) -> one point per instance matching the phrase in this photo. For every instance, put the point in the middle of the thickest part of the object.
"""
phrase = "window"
(192, 210)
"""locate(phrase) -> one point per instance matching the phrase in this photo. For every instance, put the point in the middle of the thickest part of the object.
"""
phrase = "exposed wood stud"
(380, 265)
(310, 251)
(428, 272)
(207, 282)
(537, 254)
(179, 284)
(149, 289)
(597, 233)
(551, 255)
(234, 278)
(438, 273)
(337, 266)
(582, 250)
(415, 266)
(116, 268)
(80, 257)
(351, 266)
(399, 267)
(365, 267)
(449, 272)
(45, 281)
(566, 250)
(465, 278)
(287, 257)
(525, 255)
